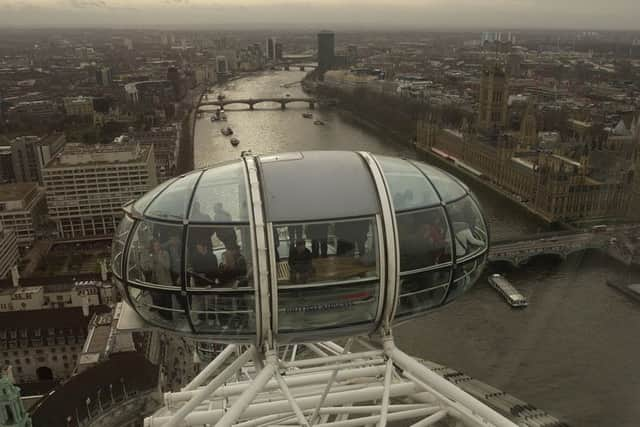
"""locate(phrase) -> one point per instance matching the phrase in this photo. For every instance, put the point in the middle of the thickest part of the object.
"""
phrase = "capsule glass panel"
(155, 254)
(118, 244)
(470, 233)
(448, 187)
(160, 307)
(221, 196)
(328, 274)
(424, 239)
(219, 257)
(223, 313)
(409, 187)
(173, 202)
(465, 275)
(141, 204)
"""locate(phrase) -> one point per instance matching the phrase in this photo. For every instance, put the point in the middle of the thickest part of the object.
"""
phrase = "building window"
(54, 358)
(27, 360)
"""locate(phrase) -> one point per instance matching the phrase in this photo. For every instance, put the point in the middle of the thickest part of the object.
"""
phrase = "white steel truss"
(325, 385)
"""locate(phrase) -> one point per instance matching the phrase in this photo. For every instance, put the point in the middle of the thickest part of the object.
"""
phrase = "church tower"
(494, 93)
(12, 413)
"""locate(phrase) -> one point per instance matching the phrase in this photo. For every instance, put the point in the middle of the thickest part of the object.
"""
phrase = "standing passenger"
(318, 233)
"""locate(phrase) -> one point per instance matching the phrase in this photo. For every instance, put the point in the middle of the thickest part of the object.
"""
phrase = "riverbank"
(400, 139)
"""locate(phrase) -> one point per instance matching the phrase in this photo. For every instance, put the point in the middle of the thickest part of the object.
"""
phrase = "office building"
(165, 147)
(23, 210)
(79, 106)
(278, 51)
(29, 154)
(87, 186)
(326, 49)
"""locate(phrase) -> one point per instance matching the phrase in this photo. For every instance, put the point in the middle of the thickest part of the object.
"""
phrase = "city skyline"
(382, 14)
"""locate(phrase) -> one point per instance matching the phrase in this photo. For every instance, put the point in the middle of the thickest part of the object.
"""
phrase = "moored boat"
(506, 289)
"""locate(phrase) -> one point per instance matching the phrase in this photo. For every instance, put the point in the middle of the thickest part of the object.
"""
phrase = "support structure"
(337, 388)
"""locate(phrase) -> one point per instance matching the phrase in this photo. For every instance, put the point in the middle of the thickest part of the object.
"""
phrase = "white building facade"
(87, 186)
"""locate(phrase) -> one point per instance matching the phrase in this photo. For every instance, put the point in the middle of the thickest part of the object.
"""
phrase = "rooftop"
(18, 191)
(79, 154)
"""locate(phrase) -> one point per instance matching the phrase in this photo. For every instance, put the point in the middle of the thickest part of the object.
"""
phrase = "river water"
(574, 352)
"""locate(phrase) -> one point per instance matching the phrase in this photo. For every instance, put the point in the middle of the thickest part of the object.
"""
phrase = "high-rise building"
(104, 76)
(492, 111)
(278, 51)
(222, 65)
(326, 49)
(270, 49)
(6, 164)
(29, 154)
(23, 210)
(88, 185)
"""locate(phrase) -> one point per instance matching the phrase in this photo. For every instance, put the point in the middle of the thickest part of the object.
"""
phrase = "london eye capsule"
(295, 247)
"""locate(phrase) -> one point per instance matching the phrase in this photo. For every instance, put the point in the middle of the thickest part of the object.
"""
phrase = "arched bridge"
(517, 252)
(251, 102)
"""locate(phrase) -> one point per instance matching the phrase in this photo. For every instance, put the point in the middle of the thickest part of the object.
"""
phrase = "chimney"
(15, 276)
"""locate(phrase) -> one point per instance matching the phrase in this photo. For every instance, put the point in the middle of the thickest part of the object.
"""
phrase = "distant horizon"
(285, 26)
(395, 15)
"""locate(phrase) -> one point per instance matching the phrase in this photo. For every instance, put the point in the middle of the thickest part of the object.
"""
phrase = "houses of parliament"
(579, 176)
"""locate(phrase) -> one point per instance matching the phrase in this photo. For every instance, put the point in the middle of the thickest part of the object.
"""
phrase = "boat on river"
(631, 290)
(226, 131)
(235, 141)
(508, 291)
(307, 115)
(319, 123)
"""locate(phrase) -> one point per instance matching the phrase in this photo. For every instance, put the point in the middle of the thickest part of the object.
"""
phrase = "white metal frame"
(337, 388)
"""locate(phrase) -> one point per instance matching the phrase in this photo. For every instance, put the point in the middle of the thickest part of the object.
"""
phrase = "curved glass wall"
(184, 251)
(184, 255)
(431, 206)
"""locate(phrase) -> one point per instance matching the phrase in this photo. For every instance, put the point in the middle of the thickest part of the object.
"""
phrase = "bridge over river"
(251, 102)
(561, 244)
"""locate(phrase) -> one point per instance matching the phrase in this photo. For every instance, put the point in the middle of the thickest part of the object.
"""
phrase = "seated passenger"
(300, 263)
(466, 242)
(204, 264)
(233, 269)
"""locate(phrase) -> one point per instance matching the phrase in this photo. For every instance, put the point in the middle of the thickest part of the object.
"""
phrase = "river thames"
(574, 352)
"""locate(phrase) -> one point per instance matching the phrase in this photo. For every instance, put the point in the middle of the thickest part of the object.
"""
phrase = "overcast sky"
(383, 14)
